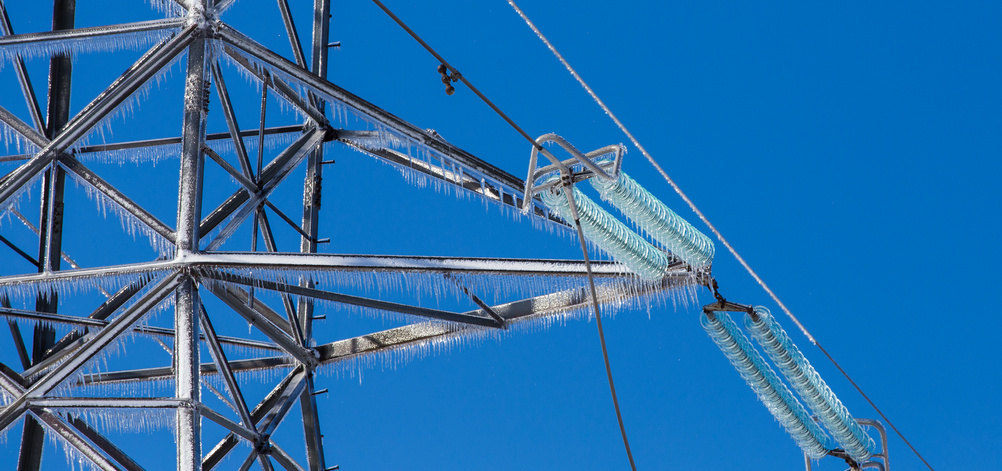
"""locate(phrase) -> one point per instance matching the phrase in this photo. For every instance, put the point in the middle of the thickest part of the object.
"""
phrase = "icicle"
(168, 7)
(25, 290)
(136, 155)
(13, 203)
(12, 138)
(808, 383)
(763, 380)
(144, 420)
(136, 40)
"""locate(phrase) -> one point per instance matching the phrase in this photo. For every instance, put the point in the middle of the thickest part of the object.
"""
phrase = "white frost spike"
(130, 223)
(75, 459)
(136, 40)
(127, 420)
(167, 7)
(12, 138)
(14, 201)
(137, 155)
(271, 142)
(24, 292)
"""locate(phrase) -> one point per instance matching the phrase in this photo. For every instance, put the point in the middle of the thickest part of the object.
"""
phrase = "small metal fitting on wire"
(448, 77)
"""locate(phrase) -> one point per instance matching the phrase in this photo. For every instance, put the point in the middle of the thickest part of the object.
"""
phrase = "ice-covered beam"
(123, 87)
(22, 76)
(392, 263)
(402, 337)
(290, 69)
(539, 306)
(241, 203)
(265, 407)
(93, 345)
(13, 386)
(19, 41)
(266, 326)
(355, 300)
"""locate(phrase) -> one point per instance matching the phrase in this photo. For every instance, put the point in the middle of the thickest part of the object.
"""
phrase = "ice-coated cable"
(612, 236)
(766, 384)
(808, 383)
(651, 215)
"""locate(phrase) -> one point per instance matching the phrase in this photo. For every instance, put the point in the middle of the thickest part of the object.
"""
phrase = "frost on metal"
(74, 46)
(106, 313)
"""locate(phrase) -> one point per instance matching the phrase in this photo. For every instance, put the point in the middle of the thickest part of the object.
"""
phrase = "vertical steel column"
(189, 212)
(311, 212)
(50, 237)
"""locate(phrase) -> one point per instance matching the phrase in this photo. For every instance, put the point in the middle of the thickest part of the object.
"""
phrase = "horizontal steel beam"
(90, 33)
(105, 403)
(531, 308)
(205, 369)
(296, 130)
(333, 262)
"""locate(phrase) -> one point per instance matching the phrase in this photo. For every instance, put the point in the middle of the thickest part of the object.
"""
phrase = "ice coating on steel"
(808, 383)
(651, 215)
(611, 235)
(766, 384)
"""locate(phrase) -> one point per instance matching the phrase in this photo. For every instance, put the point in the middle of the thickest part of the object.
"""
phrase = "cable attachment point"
(447, 77)
(723, 305)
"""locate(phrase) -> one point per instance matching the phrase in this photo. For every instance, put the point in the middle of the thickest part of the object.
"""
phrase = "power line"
(455, 74)
(706, 221)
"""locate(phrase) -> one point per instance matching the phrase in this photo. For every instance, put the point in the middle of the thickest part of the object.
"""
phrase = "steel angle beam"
(205, 369)
(124, 86)
(271, 402)
(72, 436)
(355, 300)
(242, 202)
(73, 165)
(391, 263)
(295, 130)
(91, 32)
(146, 269)
(535, 307)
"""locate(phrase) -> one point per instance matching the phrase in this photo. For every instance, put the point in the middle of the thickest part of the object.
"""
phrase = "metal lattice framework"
(191, 266)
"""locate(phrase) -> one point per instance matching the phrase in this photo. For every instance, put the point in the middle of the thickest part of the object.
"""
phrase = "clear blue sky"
(850, 152)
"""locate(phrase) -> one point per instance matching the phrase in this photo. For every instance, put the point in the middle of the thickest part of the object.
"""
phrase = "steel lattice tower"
(191, 267)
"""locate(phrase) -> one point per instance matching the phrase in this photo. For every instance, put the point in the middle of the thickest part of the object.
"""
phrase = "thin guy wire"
(584, 247)
(569, 190)
(706, 221)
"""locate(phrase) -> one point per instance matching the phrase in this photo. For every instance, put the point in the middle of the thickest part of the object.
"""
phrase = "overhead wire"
(710, 225)
(456, 75)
